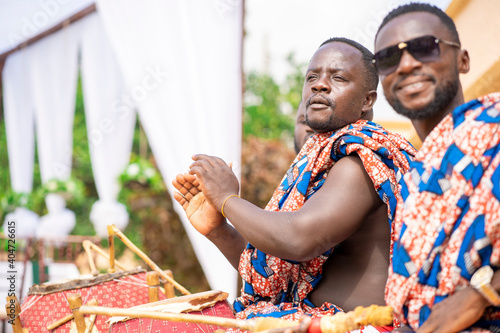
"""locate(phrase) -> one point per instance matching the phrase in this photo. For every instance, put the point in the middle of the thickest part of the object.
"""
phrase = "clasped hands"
(203, 189)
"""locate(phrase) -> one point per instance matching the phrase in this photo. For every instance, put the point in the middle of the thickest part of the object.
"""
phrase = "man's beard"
(322, 125)
(443, 97)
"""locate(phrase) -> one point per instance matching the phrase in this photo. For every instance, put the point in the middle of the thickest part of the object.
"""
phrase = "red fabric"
(220, 309)
(49, 308)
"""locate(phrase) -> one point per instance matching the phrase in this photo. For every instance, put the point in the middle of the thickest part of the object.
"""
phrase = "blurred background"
(103, 103)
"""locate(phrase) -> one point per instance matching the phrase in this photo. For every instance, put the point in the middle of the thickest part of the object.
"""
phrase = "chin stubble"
(444, 95)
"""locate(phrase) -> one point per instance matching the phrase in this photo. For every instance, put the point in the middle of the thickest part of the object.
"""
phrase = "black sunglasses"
(423, 49)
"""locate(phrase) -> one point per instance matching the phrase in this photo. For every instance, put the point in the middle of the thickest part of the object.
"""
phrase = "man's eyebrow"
(334, 69)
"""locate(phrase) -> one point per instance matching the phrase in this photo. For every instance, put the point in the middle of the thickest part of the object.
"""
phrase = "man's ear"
(370, 98)
(463, 61)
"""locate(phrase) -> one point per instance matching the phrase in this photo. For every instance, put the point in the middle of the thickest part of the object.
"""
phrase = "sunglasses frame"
(401, 46)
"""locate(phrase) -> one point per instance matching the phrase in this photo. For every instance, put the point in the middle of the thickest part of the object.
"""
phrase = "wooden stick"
(16, 323)
(67, 318)
(169, 288)
(111, 245)
(112, 230)
(89, 246)
(253, 325)
(153, 281)
(91, 319)
(75, 303)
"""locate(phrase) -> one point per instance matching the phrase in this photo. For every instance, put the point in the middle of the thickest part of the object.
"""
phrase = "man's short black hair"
(422, 7)
(371, 75)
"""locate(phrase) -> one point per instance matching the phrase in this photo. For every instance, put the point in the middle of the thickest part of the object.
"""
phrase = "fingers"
(204, 162)
(187, 185)
(181, 200)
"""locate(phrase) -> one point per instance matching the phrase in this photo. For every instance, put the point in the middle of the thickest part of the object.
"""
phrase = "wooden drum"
(210, 303)
(47, 303)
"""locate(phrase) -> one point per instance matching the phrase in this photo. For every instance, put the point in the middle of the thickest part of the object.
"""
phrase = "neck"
(424, 126)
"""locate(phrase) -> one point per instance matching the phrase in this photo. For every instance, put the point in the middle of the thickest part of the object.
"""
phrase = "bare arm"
(330, 216)
(207, 220)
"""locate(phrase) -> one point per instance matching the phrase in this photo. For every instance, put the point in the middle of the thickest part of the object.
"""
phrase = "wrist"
(218, 231)
(224, 203)
(479, 300)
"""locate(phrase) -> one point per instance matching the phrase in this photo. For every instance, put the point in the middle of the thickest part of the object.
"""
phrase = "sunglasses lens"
(424, 48)
(387, 60)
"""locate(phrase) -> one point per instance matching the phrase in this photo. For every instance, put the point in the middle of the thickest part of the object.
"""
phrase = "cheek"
(386, 82)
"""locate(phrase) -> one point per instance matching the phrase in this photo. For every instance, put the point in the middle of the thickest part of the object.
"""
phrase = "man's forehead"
(408, 26)
(334, 54)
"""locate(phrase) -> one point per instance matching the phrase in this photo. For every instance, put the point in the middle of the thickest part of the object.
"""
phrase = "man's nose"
(407, 63)
(321, 86)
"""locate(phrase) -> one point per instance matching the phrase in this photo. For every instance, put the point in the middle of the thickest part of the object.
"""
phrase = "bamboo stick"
(253, 325)
(75, 303)
(113, 230)
(111, 245)
(153, 281)
(169, 288)
(89, 246)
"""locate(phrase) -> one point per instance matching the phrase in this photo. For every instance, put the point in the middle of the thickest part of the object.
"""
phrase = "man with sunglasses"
(443, 276)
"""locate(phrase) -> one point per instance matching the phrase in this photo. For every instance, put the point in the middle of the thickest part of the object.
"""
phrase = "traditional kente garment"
(449, 223)
(279, 288)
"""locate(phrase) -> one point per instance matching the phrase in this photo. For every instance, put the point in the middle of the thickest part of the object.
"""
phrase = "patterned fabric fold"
(447, 224)
(279, 288)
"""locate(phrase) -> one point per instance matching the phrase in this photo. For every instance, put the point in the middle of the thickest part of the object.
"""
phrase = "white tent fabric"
(53, 63)
(19, 121)
(31, 86)
(110, 128)
(54, 72)
(181, 62)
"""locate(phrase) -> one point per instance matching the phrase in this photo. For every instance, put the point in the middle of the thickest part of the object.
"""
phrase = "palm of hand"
(202, 215)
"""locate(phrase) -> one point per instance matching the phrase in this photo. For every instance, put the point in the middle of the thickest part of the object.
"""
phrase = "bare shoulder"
(340, 207)
(349, 175)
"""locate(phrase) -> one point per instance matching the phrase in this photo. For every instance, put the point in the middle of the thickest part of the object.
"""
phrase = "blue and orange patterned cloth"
(449, 223)
(279, 288)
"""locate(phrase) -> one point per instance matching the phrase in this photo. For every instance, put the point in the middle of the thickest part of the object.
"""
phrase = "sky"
(274, 28)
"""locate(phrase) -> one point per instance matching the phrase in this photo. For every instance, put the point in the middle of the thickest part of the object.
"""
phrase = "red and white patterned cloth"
(447, 223)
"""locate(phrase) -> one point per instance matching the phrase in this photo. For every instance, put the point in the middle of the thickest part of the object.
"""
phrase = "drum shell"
(124, 292)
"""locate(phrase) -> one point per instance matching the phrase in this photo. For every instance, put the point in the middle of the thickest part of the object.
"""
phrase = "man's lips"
(414, 85)
(318, 102)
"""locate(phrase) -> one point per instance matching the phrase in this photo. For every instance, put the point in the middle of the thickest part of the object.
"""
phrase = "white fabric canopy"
(110, 128)
(19, 121)
(54, 72)
(181, 61)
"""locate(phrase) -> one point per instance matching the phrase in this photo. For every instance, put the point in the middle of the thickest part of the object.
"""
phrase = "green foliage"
(10, 200)
(144, 173)
(268, 106)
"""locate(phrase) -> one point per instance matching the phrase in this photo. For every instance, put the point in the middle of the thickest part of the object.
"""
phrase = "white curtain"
(19, 126)
(110, 123)
(181, 63)
(54, 72)
(19, 121)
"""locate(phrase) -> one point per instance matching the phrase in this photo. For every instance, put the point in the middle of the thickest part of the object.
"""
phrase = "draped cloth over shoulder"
(450, 224)
(279, 288)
